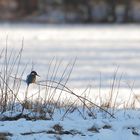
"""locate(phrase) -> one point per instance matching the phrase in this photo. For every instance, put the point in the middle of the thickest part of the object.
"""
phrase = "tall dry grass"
(45, 107)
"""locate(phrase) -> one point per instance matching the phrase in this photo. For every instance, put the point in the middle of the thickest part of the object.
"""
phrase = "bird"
(31, 78)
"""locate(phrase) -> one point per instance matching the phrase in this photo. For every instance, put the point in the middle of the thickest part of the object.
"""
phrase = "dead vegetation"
(57, 129)
(44, 108)
(5, 135)
(41, 108)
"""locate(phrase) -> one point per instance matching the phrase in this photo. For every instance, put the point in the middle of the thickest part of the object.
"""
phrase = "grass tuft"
(57, 96)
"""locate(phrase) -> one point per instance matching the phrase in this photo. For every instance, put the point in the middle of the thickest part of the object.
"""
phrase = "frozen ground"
(126, 126)
(100, 50)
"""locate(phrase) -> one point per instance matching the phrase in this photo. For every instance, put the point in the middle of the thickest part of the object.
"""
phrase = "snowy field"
(126, 126)
(101, 51)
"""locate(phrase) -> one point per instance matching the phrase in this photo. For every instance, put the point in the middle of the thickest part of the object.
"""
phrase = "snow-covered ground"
(100, 51)
(126, 126)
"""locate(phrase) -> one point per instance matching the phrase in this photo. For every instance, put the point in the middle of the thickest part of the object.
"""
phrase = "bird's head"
(34, 73)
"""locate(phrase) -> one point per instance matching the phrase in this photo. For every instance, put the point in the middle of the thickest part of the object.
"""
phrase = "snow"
(122, 97)
(100, 50)
(123, 127)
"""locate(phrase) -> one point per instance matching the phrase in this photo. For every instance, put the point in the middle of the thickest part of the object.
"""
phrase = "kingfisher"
(31, 78)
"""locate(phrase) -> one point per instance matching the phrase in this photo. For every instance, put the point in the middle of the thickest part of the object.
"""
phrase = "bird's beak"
(38, 75)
